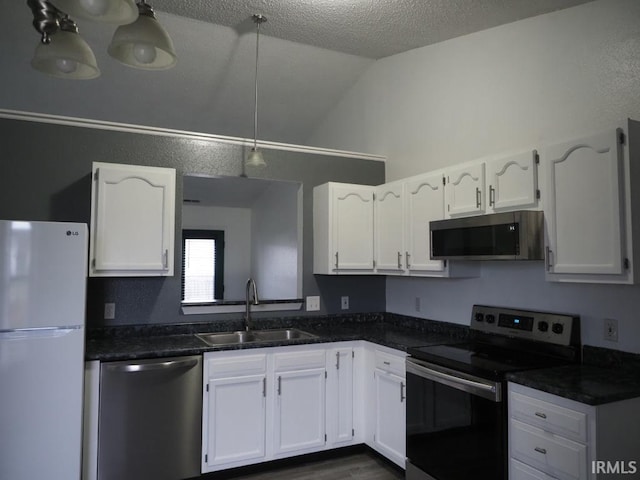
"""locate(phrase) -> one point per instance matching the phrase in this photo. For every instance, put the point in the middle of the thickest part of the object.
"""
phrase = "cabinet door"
(353, 227)
(389, 236)
(464, 190)
(300, 410)
(512, 182)
(235, 431)
(132, 220)
(340, 396)
(424, 203)
(584, 210)
(390, 414)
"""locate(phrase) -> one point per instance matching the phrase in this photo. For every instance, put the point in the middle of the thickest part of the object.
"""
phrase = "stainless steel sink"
(253, 336)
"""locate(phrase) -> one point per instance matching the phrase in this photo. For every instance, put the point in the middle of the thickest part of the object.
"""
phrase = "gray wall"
(46, 176)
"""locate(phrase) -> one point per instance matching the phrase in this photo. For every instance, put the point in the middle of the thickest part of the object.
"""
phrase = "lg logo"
(71, 233)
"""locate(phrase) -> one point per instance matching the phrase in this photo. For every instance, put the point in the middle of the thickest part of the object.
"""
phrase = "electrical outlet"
(344, 303)
(109, 311)
(417, 304)
(313, 303)
(611, 329)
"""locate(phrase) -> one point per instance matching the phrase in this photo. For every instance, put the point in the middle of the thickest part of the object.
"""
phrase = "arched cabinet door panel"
(132, 220)
(585, 206)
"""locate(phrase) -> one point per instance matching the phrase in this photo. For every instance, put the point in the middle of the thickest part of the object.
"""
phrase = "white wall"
(236, 223)
(510, 88)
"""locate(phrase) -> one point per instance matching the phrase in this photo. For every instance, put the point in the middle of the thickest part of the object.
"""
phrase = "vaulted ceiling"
(310, 54)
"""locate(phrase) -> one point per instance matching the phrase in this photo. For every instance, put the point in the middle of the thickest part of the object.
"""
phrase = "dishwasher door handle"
(154, 366)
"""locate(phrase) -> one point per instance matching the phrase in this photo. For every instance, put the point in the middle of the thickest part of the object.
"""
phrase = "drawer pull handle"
(543, 451)
(387, 363)
(541, 415)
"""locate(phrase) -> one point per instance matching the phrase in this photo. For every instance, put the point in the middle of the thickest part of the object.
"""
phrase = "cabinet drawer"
(391, 363)
(554, 455)
(520, 471)
(552, 418)
(236, 366)
(299, 360)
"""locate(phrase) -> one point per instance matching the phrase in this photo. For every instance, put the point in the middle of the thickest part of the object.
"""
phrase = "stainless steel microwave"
(515, 235)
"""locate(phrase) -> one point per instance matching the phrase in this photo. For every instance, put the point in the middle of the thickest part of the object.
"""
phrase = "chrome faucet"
(250, 290)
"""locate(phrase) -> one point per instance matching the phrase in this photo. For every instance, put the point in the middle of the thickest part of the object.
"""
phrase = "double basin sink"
(253, 336)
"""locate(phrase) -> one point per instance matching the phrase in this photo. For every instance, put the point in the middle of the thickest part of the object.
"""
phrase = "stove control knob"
(479, 317)
(491, 318)
(557, 328)
(543, 326)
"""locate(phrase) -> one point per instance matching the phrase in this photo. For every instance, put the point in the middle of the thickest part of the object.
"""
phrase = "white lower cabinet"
(270, 403)
(299, 421)
(388, 421)
(234, 413)
(340, 396)
(551, 437)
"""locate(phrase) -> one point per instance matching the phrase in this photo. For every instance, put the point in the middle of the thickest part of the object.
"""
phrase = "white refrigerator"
(43, 268)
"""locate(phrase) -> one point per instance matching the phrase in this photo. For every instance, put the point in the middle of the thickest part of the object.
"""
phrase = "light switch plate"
(344, 303)
(313, 303)
(109, 311)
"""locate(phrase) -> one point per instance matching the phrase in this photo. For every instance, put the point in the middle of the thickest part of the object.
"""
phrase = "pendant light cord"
(258, 19)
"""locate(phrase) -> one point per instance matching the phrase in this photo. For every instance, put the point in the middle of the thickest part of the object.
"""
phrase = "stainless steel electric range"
(456, 394)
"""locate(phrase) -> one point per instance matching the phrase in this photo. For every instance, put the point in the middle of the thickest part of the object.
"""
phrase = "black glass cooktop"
(483, 360)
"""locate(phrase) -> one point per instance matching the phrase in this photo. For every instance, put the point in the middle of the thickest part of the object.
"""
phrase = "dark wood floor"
(360, 465)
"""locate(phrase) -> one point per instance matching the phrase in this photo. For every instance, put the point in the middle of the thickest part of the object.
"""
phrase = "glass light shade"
(67, 56)
(143, 44)
(116, 12)
(255, 159)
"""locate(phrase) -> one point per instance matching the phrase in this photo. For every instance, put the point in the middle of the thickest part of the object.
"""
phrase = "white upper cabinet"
(424, 203)
(343, 228)
(585, 209)
(465, 190)
(132, 220)
(512, 182)
(389, 228)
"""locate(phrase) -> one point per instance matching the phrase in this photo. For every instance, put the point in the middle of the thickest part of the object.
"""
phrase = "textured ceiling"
(368, 28)
(312, 53)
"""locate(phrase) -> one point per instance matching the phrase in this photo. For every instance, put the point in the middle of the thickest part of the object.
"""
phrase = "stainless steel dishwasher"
(150, 419)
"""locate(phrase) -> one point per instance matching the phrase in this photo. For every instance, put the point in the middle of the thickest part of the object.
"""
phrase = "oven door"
(456, 425)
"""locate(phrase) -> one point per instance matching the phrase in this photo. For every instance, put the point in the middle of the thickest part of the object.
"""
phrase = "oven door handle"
(483, 388)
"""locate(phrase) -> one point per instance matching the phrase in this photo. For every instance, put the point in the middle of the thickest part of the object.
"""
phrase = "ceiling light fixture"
(139, 42)
(118, 12)
(255, 158)
(144, 43)
(61, 52)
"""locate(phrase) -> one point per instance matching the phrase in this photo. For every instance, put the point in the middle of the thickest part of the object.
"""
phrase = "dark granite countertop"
(606, 375)
(136, 342)
(583, 383)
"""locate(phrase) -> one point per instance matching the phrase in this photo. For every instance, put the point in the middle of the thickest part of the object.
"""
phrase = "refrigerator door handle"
(22, 333)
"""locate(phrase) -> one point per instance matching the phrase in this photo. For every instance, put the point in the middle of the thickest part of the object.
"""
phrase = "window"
(202, 266)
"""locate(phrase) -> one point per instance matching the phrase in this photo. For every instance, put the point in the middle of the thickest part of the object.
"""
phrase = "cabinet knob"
(543, 451)
(478, 198)
(402, 395)
(492, 196)
(406, 259)
(399, 261)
